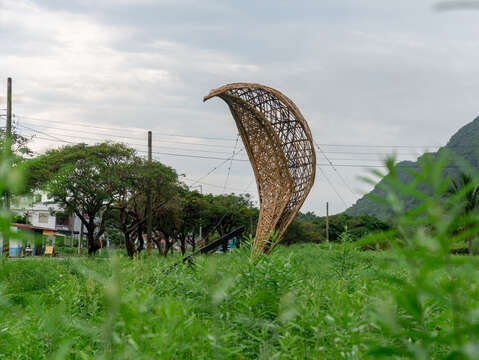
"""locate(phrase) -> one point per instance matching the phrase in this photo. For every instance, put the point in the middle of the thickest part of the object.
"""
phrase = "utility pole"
(9, 109)
(327, 222)
(201, 220)
(8, 135)
(149, 241)
(9, 132)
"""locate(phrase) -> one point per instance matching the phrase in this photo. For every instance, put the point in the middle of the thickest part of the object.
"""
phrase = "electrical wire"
(231, 162)
(129, 129)
(332, 186)
(224, 160)
(129, 138)
(129, 143)
(336, 170)
(197, 144)
(214, 169)
(123, 129)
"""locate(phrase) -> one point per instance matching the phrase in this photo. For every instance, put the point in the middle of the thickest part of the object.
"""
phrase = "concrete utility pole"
(9, 131)
(9, 108)
(149, 215)
(327, 222)
(8, 135)
(201, 220)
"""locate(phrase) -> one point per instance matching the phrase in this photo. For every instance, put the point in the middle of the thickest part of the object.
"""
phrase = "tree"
(466, 187)
(193, 215)
(19, 145)
(41, 169)
(295, 233)
(87, 187)
(134, 179)
(168, 223)
(224, 213)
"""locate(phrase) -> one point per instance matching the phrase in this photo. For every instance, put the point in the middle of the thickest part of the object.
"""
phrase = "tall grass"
(291, 305)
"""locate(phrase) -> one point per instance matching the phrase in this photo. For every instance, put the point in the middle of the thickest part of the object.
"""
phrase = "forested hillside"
(461, 152)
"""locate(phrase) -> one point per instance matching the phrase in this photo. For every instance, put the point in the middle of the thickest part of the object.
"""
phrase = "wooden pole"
(327, 222)
(149, 215)
(8, 135)
(9, 132)
(201, 220)
(9, 109)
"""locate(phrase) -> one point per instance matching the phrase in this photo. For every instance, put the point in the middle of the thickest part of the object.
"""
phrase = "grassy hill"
(462, 150)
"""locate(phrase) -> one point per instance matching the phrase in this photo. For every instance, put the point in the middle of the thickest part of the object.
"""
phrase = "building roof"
(31, 227)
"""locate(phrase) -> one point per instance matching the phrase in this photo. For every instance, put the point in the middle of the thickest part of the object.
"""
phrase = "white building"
(43, 212)
(45, 218)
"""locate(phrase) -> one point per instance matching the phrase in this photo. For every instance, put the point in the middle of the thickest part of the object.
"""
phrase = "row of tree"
(106, 186)
(309, 227)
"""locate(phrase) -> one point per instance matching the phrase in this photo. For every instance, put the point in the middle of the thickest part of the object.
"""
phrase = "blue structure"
(231, 245)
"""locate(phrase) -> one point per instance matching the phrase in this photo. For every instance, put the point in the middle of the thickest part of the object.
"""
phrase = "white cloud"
(362, 72)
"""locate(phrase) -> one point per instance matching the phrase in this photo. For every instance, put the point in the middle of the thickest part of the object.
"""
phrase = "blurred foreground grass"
(305, 301)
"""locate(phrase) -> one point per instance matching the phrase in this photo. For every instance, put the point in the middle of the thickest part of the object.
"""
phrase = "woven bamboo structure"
(280, 148)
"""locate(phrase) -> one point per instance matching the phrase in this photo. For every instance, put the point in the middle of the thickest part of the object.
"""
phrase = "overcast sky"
(363, 72)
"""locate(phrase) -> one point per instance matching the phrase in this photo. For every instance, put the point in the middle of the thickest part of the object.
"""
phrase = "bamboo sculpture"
(280, 148)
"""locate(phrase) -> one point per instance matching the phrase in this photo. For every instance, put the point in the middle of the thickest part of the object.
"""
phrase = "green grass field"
(305, 301)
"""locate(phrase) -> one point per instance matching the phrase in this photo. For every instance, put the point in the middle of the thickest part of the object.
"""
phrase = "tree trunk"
(183, 244)
(157, 240)
(130, 246)
(141, 242)
(168, 245)
(93, 244)
(193, 243)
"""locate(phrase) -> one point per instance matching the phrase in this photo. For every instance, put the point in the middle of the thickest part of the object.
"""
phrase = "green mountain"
(462, 149)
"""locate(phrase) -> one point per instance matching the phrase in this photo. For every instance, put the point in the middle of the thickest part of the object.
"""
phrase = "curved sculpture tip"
(211, 94)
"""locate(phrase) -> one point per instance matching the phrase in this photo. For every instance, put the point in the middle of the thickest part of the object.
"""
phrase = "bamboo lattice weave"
(280, 148)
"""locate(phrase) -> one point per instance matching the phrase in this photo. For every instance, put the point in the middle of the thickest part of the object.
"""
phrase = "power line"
(332, 186)
(123, 129)
(165, 147)
(46, 134)
(215, 168)
(82, 138)
(159, 153)
(198, 157)
(128, 137)
(216, 186)
(336, 170)
(224, 160)
(231, 162)
(357, 159)
(193, 143)
(129, 129)
(383, 146)
(191, 155)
